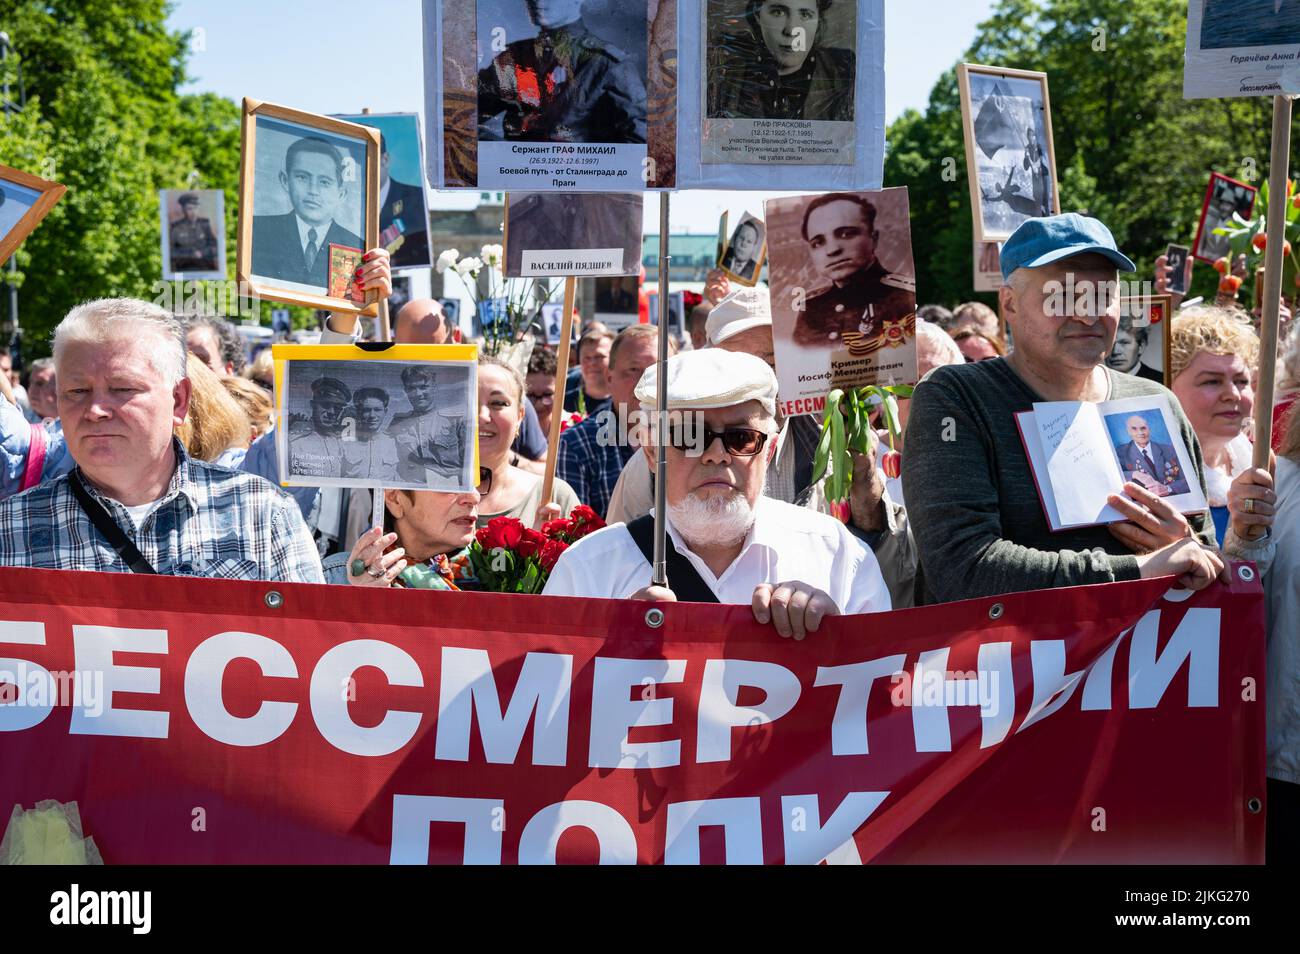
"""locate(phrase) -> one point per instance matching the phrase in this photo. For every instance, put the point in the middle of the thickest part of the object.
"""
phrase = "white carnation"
(468, 266)
(446, 260)
(492, 254)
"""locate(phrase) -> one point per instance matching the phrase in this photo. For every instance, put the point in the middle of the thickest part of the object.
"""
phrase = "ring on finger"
(1249, 505)
(378, 575)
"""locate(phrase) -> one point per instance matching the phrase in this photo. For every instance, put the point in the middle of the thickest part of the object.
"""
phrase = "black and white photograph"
(403, 215)
(25, 199)
(1224, 198)
(1010, 157)
(843, 288)
(308, 201)
(746, 247)
(1176, 259)
(551, 234)
(1136, 340)
(368, 423)
(676, 310)
(561, 72)
(193, 234)
(785, 60)
(1230, 46)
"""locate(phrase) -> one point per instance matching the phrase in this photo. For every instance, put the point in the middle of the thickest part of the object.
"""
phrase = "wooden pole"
(1279, 166)
(561, 375)
(659, 571)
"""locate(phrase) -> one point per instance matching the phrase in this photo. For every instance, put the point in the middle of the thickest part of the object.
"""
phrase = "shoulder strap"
(35, 458)
(683, 578)
(107, 526)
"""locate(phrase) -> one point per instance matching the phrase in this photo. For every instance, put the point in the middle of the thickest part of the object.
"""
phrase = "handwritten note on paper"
(1080, 466)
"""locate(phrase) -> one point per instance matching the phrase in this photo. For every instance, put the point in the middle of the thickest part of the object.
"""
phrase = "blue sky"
(369, 55)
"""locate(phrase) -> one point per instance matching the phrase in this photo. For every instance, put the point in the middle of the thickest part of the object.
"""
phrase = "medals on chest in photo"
(553, 56)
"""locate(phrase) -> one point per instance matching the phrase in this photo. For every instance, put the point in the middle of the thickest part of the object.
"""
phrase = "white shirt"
(785, 544)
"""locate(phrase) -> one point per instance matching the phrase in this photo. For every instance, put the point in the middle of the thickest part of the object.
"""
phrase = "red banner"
(200, 721)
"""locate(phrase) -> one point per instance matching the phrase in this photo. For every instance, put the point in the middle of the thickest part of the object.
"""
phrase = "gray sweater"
(979, 524)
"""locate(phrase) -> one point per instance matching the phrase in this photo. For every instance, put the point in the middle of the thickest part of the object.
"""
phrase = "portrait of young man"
(319, 451)
(779, 64)
(563, 82)
(294, 246)
(858, 294)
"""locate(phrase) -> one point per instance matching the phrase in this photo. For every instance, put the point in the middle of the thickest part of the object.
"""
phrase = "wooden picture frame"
(47, 192)
(726, 240)
(983, 231)
(269, 287)
(1159, 310)
(1205, 208)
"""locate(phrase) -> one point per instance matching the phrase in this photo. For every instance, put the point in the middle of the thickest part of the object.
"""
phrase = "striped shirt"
(211, 522)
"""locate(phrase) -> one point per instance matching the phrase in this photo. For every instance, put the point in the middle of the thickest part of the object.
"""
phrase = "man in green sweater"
(975, 511)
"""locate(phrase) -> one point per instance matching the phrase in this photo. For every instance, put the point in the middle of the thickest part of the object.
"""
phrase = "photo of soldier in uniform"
(403, 219)
(572, 71)
(742, 258)
(561, 223)
(1008, 148)
(843, 291)
(368, 423)
(1223, 198)
(780, 59)
(309, 194)
(194, 234)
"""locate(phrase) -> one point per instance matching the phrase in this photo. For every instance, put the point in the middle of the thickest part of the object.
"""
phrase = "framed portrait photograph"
(554, 234)
(593, 80)
(308, 206)
(403, 418)
(676, 310)
(1010, 155)
(988, 266)
(403, 208)
(1241, 48)
(1224, 198)
(843, 293)
(1141, 341)
(25, 199)
(745, 249)
(193, 234)
(617, 300)
(780, 78)
(1176, 258)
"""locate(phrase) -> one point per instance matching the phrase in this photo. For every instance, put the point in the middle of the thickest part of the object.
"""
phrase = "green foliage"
(1129, 148)
(105, 117)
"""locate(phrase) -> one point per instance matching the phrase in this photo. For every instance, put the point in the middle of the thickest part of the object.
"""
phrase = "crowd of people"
(148, 443)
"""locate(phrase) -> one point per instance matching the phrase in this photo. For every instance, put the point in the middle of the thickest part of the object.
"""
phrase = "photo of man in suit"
(741, 258)
(403, 222)
(1149, 463)
(294, 247)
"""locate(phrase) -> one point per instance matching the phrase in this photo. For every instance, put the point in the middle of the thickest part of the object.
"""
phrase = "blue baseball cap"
(1050, 239)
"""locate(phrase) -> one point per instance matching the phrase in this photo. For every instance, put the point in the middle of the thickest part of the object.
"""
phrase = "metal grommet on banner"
(995, 611)
(654, 618)
(1254, 806)
(1246, 573)
(274, 599)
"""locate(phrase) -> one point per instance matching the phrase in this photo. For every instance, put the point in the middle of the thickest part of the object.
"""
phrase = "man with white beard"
(727, 542)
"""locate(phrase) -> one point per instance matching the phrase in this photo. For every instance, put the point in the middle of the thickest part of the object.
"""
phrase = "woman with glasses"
(512, 491)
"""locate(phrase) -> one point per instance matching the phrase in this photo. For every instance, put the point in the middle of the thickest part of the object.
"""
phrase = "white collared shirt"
(785, 544)
(305, 227)
(383, 192)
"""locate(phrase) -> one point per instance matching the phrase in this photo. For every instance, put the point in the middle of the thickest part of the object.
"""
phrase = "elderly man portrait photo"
(860, 295)
(779, 64)
(135, 500)
(564, 82)
(1153, 464)
(727, 542)
(294, 247)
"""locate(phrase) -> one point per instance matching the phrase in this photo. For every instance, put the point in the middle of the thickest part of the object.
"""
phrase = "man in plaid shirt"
(592, 453)
(122, 390)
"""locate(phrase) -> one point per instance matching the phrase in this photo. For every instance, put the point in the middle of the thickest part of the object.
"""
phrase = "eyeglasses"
(737, 441)
(484, 481)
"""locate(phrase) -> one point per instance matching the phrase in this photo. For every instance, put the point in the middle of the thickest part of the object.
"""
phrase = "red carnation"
(551, 552)
(501, 532)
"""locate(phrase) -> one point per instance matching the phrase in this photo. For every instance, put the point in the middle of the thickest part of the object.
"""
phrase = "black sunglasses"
(484, 481)
(737, 441)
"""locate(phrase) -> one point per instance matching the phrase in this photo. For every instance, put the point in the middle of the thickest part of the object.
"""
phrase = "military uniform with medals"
(871, 303)
(193, 246)
(564, 85)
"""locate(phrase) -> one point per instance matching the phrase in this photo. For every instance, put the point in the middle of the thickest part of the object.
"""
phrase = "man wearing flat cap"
(193, 243)
(319, 453)
(971, 495)
(728, 543)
